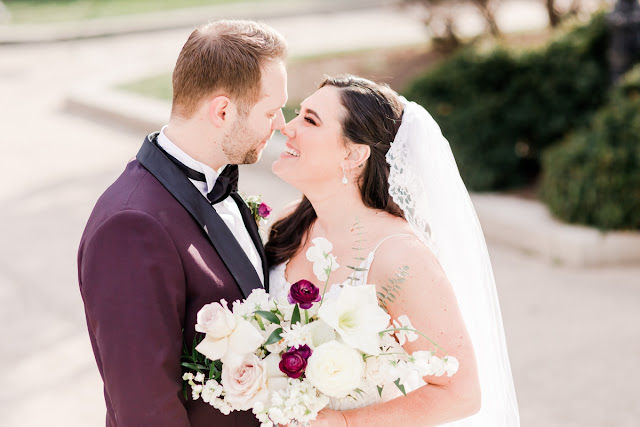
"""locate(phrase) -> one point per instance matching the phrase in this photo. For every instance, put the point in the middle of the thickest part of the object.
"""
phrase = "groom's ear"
(219, 108)
(358, 155)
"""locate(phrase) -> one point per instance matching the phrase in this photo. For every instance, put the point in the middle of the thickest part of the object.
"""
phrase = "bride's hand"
(329, 418)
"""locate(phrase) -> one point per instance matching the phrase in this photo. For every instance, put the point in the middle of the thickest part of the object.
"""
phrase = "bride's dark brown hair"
(373, 116)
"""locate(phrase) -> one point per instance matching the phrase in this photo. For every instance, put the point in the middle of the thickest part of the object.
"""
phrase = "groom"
(171, 234)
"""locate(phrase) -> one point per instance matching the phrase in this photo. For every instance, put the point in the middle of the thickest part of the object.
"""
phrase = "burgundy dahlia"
(305, 293)
(264, 210)
(294, 361)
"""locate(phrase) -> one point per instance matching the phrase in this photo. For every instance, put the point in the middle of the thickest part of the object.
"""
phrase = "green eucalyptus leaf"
(274, 337)
(268, 316)
(295, 317)
(400, 386)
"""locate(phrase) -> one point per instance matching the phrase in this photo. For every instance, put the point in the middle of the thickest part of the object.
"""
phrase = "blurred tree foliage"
(500, 109)
(593, 176)
(440, 20)
(441, 14)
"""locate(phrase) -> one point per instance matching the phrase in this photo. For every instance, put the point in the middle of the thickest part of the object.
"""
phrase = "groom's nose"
(278, 121)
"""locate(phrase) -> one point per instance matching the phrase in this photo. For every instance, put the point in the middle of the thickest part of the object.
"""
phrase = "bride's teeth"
(292, 152)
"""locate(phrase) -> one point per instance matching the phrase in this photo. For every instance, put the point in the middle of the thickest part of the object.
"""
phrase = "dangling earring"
(345, 181)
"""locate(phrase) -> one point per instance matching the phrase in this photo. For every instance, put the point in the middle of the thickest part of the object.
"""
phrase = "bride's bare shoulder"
(404, 250)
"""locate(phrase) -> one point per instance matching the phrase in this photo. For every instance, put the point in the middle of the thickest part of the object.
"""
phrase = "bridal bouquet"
(287, 359)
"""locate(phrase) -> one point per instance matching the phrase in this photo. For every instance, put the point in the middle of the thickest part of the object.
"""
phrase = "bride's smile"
(315, 148)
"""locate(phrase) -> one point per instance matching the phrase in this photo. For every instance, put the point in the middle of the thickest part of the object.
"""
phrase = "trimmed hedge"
(500, 109)
(593, 177)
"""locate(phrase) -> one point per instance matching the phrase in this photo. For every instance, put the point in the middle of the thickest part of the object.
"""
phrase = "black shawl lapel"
(223, 241)
(252, 228)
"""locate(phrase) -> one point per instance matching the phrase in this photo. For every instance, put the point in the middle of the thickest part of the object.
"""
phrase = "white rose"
(227, 336)
(357, 317)
(216, 319)
(335, 369)
(245, 383)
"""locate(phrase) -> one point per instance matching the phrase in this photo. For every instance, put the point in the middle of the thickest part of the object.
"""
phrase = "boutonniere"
(259, 209)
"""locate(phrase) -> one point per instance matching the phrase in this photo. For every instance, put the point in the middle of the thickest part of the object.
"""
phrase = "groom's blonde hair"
(224, 56)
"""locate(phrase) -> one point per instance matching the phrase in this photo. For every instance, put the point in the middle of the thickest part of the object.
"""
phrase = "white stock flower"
(375, 372)
(322, 259)
(195, 391)
(356, 316)
(335, 369)
(404, 336)
(297, 335)
(258, 299)
(199, 377)
(245, 382)
(227, 335)
(211, 390)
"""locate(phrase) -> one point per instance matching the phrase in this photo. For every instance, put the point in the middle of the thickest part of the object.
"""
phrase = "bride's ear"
(358, 155)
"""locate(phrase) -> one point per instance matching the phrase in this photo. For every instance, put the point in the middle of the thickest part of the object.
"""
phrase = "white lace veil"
(425, 182)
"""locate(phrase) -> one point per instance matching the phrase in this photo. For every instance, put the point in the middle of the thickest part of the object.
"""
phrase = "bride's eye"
(310, 120)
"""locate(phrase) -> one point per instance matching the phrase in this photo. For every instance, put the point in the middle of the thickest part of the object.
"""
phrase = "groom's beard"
(243, 147)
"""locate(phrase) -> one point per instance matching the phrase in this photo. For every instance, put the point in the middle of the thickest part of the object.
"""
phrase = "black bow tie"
(226, 183)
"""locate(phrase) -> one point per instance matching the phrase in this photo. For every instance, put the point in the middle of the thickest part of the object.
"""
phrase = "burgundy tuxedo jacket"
(154, 251)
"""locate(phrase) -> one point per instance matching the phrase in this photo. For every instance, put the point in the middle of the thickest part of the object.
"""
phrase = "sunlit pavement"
(572, 333)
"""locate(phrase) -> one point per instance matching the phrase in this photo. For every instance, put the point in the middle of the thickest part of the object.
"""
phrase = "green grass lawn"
(156, 86)
(43, 11)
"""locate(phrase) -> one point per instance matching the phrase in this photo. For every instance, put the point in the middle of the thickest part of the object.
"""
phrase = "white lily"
(356, 317)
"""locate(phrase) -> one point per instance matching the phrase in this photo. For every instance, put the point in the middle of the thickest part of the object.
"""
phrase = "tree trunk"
(488, 13)
(552, 12)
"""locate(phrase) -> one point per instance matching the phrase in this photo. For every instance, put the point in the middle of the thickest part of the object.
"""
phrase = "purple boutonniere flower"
(305, 293)
(264, 210)
(294, 361)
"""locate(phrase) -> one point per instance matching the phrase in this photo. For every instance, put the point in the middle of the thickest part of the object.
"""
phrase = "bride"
(380, 183)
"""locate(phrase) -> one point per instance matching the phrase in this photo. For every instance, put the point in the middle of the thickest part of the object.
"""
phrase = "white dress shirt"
(227, 209)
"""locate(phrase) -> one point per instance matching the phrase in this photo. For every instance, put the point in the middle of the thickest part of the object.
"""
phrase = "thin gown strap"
(373, 253)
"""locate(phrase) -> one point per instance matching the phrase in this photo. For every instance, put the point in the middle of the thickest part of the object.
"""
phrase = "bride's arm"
(428, 299)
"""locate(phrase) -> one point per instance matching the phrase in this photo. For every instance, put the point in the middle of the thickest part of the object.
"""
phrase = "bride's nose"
(288, 130)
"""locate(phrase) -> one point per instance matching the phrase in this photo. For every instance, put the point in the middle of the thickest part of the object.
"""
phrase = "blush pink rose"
(245, 383)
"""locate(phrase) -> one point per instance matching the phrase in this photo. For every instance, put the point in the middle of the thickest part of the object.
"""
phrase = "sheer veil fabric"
(425, 182)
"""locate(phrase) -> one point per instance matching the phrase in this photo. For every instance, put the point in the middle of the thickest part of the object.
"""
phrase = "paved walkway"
(572, 333)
